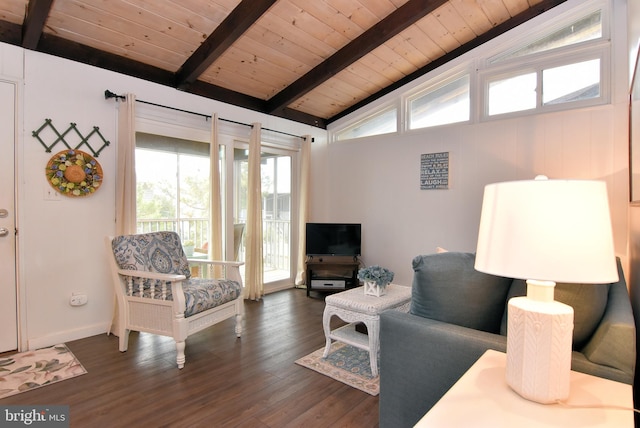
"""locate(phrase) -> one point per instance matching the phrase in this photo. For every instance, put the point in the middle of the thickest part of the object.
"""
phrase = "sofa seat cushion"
(202, 294)
(588, 301)
(446, 287)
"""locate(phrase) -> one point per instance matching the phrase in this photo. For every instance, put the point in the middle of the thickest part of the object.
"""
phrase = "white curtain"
(126, 169)
(215, 204)
(125, 178)
(254, 279)
(303, 207)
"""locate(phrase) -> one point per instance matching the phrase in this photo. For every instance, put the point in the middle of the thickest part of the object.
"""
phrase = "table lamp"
(544, 231)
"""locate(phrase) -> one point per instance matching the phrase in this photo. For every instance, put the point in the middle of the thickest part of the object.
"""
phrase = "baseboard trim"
(66, 336)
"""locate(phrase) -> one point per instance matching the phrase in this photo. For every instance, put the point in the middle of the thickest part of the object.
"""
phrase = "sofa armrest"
(613, 342)
(420, 359)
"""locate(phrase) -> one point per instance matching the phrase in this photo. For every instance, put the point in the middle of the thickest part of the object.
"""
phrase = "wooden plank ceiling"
(307, 60)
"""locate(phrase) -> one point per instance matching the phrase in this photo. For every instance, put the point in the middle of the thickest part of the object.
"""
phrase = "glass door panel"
(276, 211)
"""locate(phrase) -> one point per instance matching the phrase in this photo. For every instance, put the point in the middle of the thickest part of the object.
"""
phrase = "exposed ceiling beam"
(534, 11)
(37, 13)
(229, 30)
(10, 33)
(397, 21)
(59, 47)
(228, 96)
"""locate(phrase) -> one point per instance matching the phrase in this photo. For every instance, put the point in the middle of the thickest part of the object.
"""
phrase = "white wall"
(375, 180)
(61, 243)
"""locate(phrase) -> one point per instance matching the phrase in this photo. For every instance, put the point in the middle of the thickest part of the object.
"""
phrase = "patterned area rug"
(346, 363)
(29, 370)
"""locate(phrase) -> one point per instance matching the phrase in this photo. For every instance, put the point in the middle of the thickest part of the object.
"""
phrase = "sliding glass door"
(277, 212)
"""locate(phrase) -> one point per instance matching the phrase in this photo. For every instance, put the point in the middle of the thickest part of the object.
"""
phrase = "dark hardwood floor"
(226, 382)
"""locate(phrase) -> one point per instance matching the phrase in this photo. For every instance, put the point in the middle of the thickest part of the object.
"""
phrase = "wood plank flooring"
(226, 382)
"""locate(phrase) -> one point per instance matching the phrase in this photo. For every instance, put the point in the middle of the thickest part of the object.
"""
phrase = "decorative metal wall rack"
(84, 141)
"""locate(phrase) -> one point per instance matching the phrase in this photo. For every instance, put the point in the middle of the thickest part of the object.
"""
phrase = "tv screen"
(333, 239)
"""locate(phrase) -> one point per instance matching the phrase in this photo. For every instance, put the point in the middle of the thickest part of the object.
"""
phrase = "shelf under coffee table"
(353, 306)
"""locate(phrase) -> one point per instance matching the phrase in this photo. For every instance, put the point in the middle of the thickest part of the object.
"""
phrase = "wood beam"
(10, 33)
(234, 25)
(521, 18)
(228, 96)
(406, 15)
(57, 46)
(37, 14)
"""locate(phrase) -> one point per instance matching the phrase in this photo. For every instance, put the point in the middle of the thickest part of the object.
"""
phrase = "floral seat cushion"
(202, 294)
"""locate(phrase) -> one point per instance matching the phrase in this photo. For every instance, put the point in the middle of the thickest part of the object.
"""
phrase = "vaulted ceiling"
(311, 61)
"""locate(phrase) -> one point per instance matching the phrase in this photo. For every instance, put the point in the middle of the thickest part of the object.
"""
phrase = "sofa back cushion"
(588, 301)
(446, 287)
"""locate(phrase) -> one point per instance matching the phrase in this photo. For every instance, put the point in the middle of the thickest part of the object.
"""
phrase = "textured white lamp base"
(539, 340)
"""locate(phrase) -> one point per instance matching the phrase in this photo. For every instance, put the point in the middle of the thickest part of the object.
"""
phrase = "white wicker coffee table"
(353, 306)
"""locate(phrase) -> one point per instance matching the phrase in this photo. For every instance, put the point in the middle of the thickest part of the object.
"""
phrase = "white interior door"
(8, 295)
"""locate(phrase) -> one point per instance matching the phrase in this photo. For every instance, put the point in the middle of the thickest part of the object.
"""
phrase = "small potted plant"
(375, 278)
(189, 247)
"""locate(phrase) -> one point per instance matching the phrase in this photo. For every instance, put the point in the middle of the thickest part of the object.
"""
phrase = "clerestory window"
(384, 121)
(560, 69)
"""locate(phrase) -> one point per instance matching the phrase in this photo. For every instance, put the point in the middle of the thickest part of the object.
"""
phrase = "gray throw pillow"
(446, 287)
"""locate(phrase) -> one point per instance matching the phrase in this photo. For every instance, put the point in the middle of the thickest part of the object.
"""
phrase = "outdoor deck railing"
(276, 237)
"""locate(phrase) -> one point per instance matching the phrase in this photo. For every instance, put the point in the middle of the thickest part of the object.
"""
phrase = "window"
(572, 82)
(442, 104)
(551, 72)
(511, 94)
(172, 187)
(583, 30)
(562, 62)
(382, 122)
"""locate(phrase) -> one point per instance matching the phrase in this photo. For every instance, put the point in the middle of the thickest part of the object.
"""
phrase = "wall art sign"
(434, 171)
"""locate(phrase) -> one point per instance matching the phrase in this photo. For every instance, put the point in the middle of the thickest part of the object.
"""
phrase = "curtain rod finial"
(108, 94)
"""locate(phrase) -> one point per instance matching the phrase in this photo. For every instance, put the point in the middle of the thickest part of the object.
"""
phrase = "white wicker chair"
(156, 293)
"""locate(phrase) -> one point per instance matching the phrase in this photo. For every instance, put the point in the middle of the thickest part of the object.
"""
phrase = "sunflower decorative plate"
(74, 173)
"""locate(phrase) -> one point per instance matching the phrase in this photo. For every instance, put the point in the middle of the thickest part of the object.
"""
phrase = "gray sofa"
(457, 313)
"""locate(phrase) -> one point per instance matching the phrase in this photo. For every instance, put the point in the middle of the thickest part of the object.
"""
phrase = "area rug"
(345, 363)
(29, 370)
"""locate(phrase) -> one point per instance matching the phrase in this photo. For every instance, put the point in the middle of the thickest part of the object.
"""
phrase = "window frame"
(379, 111)
(538, 65)
(433, 85)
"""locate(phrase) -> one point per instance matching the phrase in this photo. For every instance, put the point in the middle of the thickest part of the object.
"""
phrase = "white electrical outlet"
(50, 194)
(78, 299)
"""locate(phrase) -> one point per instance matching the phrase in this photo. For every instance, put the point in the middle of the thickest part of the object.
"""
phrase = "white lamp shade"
(551, 230)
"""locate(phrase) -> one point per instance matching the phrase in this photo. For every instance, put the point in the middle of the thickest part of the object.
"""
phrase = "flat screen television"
(333, 239)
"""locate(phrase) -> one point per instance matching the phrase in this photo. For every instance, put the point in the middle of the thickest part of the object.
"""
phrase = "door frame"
(21, 342)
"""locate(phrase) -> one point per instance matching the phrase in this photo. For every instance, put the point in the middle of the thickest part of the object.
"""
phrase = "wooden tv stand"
(331, 273)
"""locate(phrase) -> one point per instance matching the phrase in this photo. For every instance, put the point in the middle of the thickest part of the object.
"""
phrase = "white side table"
(353, 306)
(482, 398)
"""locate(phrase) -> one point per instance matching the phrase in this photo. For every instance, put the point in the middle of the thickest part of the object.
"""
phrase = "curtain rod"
(108, 94)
